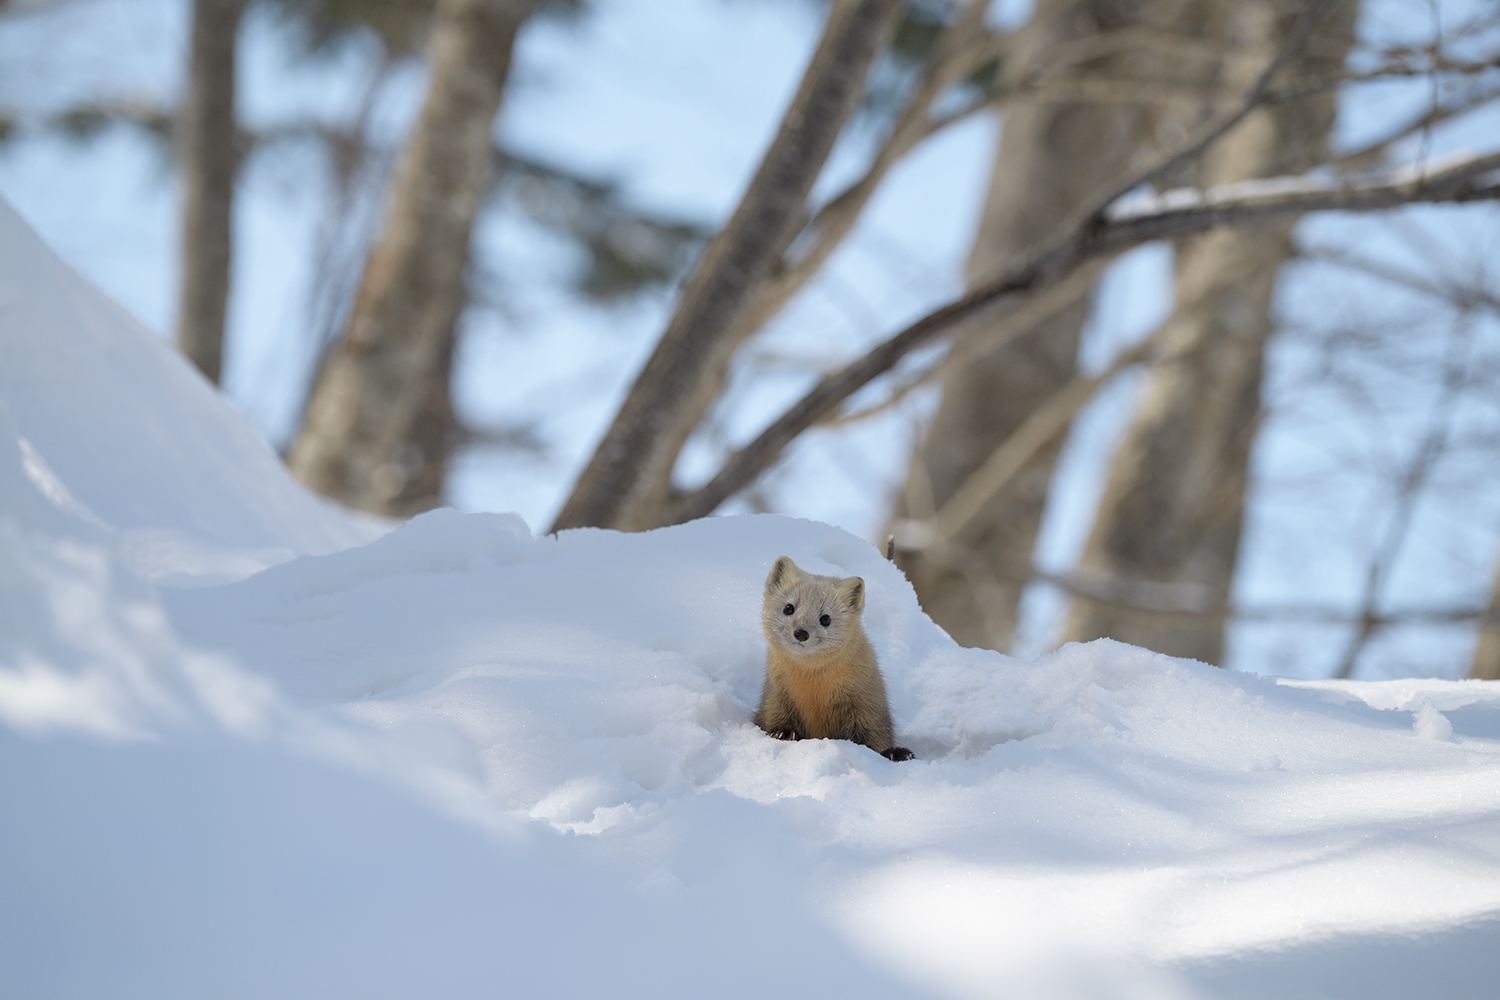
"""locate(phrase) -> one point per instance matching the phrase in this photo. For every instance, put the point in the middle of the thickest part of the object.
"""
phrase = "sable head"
(805, 613)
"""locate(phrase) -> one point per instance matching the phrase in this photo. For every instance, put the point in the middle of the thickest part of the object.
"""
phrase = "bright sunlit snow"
(252, 747)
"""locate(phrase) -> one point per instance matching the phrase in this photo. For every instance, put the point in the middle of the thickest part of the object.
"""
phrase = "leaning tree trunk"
(1054, 156)
(377, 432)
(209, 161)
(624, 483)
(1174, 504)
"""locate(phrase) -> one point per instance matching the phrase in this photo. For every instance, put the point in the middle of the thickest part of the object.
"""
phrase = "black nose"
(800, 635)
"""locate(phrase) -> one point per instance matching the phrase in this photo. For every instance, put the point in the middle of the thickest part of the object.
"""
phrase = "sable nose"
(800, 635)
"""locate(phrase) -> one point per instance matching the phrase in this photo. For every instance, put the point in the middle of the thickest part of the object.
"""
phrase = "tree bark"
(1053, 157)
(209, 161)
(1486, 664)
(1173, 508)
(625, 484)
(377, 432)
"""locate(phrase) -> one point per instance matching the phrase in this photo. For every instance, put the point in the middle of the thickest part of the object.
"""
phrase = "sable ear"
(854, 594)
(783, 571)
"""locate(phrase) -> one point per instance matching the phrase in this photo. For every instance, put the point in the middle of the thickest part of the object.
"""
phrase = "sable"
(822, 678)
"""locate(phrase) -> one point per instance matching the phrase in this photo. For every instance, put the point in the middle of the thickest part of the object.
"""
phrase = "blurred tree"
(209, 157)
(1486, 663)
(1054, 155)
(625, 483)
(1173, 507)
(376, 431)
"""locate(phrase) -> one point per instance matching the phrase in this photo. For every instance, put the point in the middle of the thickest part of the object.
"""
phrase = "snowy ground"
(250, 747)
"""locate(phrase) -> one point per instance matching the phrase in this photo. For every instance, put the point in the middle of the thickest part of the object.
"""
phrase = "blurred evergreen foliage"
(628, 249)
(324, 25)
(401, 25)
(912, 44)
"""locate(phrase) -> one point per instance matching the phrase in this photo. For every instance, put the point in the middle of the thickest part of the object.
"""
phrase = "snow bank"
(461, 760)
(1102, 799)
(126, 433)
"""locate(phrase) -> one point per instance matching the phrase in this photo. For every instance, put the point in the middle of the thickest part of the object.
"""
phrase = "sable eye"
(788, 610)
(825, 621)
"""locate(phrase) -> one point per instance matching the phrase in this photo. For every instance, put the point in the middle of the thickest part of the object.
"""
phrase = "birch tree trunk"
(625, 483)
(1174, 504)
(1053, 157)
(209, 161)
(377, 432)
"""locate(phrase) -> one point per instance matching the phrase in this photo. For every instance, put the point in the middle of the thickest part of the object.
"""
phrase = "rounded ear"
(783, 571)
(854, 594)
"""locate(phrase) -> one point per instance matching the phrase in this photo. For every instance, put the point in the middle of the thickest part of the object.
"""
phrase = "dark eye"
(825, 621)
(788, 610)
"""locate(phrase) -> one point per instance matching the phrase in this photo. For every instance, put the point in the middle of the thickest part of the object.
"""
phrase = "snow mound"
(118, 429)
(1103, 805)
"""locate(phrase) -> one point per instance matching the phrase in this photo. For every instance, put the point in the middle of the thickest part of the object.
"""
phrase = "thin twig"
(1426, 455)
(1323, 84)
(1195, 600)
(1370, 153)
(1044, 424)
(1459, 296)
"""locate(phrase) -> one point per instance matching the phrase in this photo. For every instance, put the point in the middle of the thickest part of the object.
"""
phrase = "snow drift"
(251, 749)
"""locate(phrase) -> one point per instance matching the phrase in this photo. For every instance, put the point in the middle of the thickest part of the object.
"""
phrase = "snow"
(1144, 202)
(251, 746)
(143, 446)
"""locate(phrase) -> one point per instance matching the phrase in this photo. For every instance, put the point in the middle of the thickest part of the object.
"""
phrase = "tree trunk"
(1174, 504)
(377, 429)
(1486, 665)
(209, 161)
(625, 483)
(1053, 157)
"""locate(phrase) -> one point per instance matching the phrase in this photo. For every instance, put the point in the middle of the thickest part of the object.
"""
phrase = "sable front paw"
(784, 734)
(898, 753)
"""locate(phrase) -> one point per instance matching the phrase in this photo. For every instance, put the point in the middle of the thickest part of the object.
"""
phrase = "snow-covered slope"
(460, 761)
(120, 423)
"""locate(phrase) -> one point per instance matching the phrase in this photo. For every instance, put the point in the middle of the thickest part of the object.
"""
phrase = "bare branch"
(1390, 71)
(1026, 316)
(955, 54)
(1214, 131)
(1168, 48)
(1195, 600)
(1408, 491)
(1095, 236)
(1371, 153)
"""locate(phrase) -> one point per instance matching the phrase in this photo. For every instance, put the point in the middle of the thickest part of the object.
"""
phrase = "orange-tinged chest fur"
(817, 684)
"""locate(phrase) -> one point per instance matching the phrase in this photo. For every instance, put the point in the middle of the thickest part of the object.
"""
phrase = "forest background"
(1272, 445)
